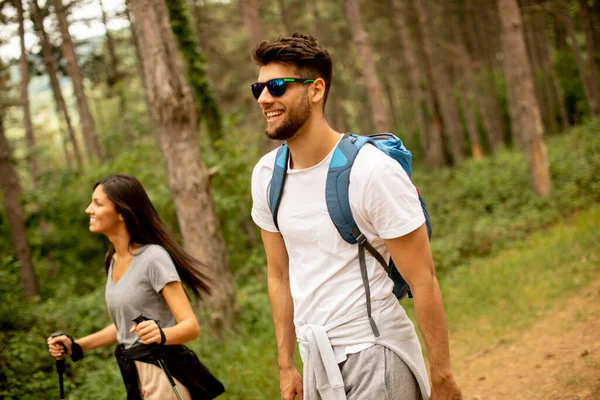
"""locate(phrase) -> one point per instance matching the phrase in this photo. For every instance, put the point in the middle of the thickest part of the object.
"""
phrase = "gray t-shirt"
(138, 292)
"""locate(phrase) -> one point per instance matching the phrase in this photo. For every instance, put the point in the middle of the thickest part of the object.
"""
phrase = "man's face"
(285, 114)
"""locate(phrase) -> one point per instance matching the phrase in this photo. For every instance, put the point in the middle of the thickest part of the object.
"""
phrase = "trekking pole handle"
(60, 365)
(57, 334)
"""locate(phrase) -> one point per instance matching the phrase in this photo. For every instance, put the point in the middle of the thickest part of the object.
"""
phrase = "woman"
(145, 269)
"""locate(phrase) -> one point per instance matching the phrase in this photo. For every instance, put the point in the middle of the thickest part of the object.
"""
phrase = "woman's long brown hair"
(145, 227)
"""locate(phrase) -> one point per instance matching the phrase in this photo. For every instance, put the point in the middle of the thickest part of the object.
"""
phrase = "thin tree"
(431, 131)
(24, 72)
(251, 17)
(381, 117)
(85, 116)
(524, 110)
(174, 118)
(11, 191)
(464, 67)
(114, 75)
(38, 23)
(587, 72)
(442, 82)
(479, 39)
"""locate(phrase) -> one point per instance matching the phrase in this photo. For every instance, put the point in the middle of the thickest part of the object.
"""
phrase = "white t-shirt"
(324, 270)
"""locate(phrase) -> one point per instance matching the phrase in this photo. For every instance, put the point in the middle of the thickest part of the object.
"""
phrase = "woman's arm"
(187, 327)
(104, 337)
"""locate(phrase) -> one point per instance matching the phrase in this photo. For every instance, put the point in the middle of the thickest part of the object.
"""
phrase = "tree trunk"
(487, 94)
(196, 68)
(174, 116)
(536, 56)
(112, 60)
(431, 135)
(525, 117)
(136, 45)
(251, 16)
(588, 77)
(464, 64)
(442, 82)
(285, 17)
(114, 75)
(551, 69)
(373, 84)
(591, 34)
(24, 68)
(85, 116)
(38, 23)
(591, 49)
(11, 189)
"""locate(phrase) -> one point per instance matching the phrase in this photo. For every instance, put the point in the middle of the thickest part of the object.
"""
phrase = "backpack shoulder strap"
(278, 180)
(338, 181)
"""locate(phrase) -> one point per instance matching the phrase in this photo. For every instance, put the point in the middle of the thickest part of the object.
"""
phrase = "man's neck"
(312, 143)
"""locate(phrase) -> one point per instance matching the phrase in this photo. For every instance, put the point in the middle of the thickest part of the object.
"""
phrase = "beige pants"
(154, 385)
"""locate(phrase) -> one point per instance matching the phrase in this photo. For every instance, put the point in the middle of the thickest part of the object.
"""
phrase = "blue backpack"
(338, 202)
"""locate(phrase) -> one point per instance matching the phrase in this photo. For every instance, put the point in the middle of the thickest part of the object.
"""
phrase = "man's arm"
(282, 308)
(412, 255)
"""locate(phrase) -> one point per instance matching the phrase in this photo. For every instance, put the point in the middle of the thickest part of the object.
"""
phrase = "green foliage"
(482, 206)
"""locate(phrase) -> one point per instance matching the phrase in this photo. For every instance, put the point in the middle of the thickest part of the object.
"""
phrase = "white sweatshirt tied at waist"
(317, 342)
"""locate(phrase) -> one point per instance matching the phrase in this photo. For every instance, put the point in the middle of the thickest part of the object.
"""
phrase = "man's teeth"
(272, 114)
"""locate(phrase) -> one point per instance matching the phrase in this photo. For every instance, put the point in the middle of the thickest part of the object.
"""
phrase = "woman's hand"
(147, 331)
(57, 346)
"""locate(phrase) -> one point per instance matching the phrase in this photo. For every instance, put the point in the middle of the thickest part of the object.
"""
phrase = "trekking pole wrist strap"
(76, 351)
(163, 338)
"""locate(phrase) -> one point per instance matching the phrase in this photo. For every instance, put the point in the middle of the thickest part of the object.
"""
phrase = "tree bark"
(251, 16)
(85, 116)
(591, 50)
(464, 64)
(479, 25)
(11, 190)
(590, 87)
(112, 60)
(174, 116)
(431, 134)
(24, 68)
(375, 91)
(441, 80)
(551, 69)
(38, 23)
(525, 115)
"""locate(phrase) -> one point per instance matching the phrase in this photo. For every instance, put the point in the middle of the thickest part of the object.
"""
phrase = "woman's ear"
(121, 218)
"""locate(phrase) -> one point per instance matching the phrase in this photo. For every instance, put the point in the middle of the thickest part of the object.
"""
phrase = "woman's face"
(103, 215)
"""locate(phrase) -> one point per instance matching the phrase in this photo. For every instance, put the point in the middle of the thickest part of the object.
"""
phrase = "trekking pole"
(60, 367)
(162, 364)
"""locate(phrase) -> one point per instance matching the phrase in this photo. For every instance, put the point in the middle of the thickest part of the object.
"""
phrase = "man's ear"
(318, 90)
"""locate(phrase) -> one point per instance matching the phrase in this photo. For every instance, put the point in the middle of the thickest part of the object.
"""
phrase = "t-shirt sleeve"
(261, 213)
(391, 201)
(161, 269)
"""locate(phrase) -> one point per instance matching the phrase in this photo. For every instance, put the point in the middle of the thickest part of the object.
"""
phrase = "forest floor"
(557, 357)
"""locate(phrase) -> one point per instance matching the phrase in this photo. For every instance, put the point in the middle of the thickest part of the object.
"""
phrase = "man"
(315, 285)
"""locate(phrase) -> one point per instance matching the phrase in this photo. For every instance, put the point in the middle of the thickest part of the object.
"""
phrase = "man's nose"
(265, 97)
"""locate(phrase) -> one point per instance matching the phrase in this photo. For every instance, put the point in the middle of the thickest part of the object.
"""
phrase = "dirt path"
(556, 358)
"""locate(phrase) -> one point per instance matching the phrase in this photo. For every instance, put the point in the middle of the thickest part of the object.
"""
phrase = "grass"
(489, 298)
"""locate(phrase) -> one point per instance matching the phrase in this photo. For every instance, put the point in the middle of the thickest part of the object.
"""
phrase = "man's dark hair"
(304, 52)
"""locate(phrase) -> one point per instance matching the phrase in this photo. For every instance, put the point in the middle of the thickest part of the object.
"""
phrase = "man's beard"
(293, 122)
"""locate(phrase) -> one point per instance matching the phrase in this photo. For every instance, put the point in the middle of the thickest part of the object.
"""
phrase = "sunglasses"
(277, 86)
